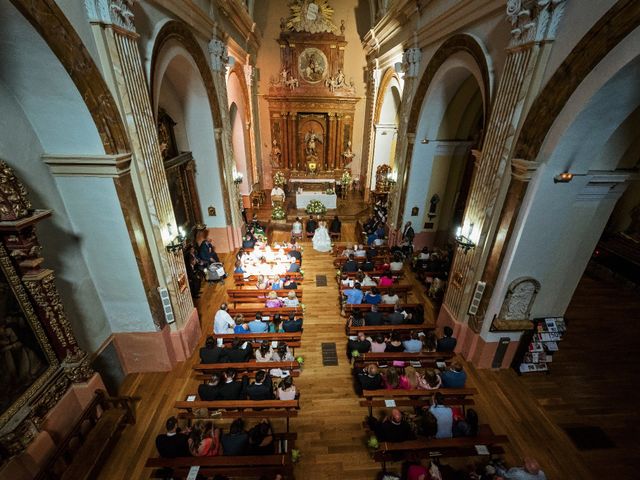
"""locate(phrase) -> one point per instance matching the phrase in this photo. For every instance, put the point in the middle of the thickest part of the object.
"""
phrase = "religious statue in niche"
(312, 65)
(348, 155)
(310, 140)
(433, 205)
(519, 300)
(276, 154)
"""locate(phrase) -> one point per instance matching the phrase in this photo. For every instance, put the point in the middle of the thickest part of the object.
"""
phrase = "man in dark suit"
(261, 388)
(374, 317)
(395, 318)
(248, 242)
(350, 266)
(336, 225)
(360, 344)
(311, 226)
(448, 342)
(211, 353)
(230, 388)
(173, 443)
(292, 324)
(295, 253)
(208, 391)
(367, 266)
(370, 378)
(237, 354)
(408, 234)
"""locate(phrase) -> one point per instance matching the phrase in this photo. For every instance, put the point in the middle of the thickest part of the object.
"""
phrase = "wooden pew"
(257, 296)
(457, 395)
(251, 310)
(402, 290)
(245, 366)
(266, 407)
(382, 307)
(391, 356)
(386, 329)
(339, 249)
(247, 465)
(81, 454)
(240, 277)
(252, 337)
(376, 274)
(440, 447)
(377, 261)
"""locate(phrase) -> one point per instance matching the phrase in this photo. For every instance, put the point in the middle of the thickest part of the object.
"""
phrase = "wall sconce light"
(177, 243)
(564, 177)
(392, 176)
(238, 177)
(424, 141)
(211, 210)
(464, 241)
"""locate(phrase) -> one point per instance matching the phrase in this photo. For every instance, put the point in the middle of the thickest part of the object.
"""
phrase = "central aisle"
(329, 425)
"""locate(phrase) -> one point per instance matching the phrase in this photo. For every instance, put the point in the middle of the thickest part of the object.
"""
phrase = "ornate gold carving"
(14, 203)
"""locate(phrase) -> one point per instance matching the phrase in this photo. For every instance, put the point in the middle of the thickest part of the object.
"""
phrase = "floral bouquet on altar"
(278, 213)
(316, 207)
(279, 179)
(346, 179)
(330, 191)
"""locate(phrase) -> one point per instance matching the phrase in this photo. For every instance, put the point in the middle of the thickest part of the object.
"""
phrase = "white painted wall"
(385, 140)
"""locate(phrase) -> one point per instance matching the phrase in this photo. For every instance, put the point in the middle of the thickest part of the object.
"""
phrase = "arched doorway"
(239, 117)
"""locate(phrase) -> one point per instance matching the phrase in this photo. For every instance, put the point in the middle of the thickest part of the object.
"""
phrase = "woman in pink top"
(394, 381)
(273, 301)
(378, 345)
(386, 280)
(286, 389)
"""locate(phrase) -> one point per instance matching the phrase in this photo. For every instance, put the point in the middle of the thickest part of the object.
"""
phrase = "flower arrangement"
(279, 179)
(278, 213)
(330, 191)
(316, 207)
(346, 179)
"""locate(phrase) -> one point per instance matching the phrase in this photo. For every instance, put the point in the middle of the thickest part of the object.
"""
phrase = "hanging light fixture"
(464, 241)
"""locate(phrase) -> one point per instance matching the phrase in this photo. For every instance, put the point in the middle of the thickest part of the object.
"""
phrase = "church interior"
(319, 239)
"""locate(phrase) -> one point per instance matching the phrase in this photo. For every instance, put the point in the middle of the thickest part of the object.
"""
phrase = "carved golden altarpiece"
(39, 354)
(311, 102)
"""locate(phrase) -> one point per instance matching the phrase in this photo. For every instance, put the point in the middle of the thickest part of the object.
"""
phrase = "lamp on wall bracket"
(238, 177)
(464, 241)
(424, 141)
(564, 177)
(177, 243)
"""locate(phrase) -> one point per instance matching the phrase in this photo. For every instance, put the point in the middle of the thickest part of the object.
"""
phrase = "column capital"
(533, 20)
(111, 12)
(411, 62)
(219, 55)
(523, 170)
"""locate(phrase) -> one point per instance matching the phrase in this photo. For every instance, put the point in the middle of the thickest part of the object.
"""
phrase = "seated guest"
(262, 283)
(359, 252)
(172, 444)
(276, 282)
(264, 353)
(275, 326)
(261, 440)
(447, 343)
(380, 231)
(430, 342)
(208, 391)
(371, 238)
(454, 377)
(350, 266)
(374, 318)
(273, 301)
(530, 471)
(311, 226)
(292, 324)
(386, 280)
(336, 225)
(230, 388)
(370, 225)
(236, 442)
(211, 353)
(396, 265)
(261, 388)
(414, 378)
(395, 343)
(356, 319)
(295, 253)
(286, 389)
(360, 344)
(354, 295)
(239, 352)
(204, 440)
(393, 428)
(222, 322)
(373, 297)
(289, 283)
(238, 267)
(424, 254)
(397, 317)
(378, 345)
(293, 266)
(248, 241)
(346, 281)
(417, 471)
(348, 251)
(282, 353)
(207, 252)
(393, 380)
(432, 380)
(369, 378)
(296, 228)
(257, 325)
(367, 281)
(391, 297)
(291, 300)
(444, 416)
(241, 326)
(367, 266)
(414, 344)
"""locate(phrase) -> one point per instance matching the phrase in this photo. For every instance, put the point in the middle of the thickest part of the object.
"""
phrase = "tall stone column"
(534, 25)
(253, 133)
(115, 35)
(373, 79)
(332, 142)
(219, 60)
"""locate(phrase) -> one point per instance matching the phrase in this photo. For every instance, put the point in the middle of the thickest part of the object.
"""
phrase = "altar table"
(328, 200)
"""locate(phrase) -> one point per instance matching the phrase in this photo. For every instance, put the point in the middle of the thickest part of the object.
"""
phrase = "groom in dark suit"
(311, 226)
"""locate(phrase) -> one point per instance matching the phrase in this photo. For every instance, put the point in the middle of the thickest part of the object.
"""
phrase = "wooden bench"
(374, 274)
(440, 447)
(297, 276)
(402, 290)
(251, 310)
(457, 395)
(385, 329)
(242, 466)
(106, 417)
(245, 366)
(403, 356)
(339, 249)
(257, 296)
(377, 260)
(252, 337)
(382, 307)
(266, 407)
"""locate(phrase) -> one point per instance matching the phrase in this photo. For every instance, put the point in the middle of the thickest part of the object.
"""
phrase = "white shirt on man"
(223, 323)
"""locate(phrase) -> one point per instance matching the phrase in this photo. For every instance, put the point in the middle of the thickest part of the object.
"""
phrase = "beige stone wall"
(268, 63)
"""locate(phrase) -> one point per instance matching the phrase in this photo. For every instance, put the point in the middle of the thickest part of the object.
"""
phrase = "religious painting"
(26, 358)
(312, 65)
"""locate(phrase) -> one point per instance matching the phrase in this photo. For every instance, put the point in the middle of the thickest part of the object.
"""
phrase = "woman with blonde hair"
(432, 380)
(262, 283)
(291, 300)
(273, 301)
(415, 378)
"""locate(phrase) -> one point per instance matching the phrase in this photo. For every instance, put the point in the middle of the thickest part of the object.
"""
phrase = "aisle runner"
(329, 354)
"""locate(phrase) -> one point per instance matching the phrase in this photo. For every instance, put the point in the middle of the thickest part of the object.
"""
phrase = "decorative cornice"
(111, 12)
(112, 166)
(523, 170)
(534, 20)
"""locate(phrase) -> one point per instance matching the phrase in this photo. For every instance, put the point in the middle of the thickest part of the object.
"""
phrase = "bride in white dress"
(321, 239)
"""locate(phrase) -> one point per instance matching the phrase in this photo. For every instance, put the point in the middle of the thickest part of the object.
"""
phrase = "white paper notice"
(193, 472)
(390, 403)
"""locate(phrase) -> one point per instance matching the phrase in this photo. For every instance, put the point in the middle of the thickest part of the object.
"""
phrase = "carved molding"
(115, 12)
(111, 166)
(534, 20)
(523, 170)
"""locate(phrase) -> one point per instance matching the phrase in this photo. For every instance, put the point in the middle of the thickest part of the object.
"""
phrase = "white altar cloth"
(311, 180)
(328, 200)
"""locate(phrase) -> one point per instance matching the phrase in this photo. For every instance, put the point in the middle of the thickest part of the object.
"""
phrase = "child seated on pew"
(204, 440)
